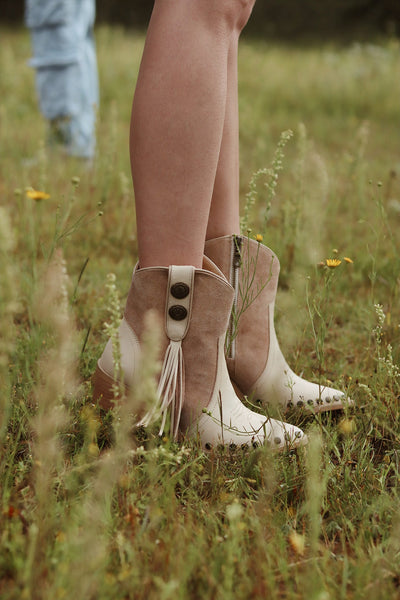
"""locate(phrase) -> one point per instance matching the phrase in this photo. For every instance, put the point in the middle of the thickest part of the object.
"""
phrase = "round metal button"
(180, 290)
(177, 312)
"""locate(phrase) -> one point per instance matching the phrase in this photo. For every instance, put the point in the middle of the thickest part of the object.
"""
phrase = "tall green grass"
(90, 510)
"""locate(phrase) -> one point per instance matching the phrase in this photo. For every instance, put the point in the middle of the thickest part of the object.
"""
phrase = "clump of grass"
(271, 175)
(56, 381)
(111, 328)
(8, 306)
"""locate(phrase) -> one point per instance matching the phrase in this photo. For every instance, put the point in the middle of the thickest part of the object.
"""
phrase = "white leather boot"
(255, 362)
(194, 385)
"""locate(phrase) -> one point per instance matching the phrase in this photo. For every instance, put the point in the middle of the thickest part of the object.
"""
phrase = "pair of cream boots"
(204, 366)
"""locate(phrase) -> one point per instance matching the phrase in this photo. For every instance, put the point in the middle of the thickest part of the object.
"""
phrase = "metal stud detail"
(310, 402)
(300, 403)
(180, 290)
(177, 312)
(277, 440)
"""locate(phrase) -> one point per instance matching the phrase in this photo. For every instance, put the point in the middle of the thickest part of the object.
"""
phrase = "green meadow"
(92, 508)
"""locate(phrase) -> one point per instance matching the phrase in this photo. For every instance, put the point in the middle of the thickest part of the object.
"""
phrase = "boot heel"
(103, 394)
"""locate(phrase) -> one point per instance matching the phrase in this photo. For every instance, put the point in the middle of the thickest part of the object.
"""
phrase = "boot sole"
(304, 408)
(103, 396)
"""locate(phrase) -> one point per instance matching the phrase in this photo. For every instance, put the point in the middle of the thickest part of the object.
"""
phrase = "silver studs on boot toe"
(317, 404)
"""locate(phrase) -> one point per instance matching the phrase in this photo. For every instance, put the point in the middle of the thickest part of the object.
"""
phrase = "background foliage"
(273, 18)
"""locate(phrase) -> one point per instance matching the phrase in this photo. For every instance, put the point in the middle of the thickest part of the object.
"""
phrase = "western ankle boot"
(255, 362)
(194, 306)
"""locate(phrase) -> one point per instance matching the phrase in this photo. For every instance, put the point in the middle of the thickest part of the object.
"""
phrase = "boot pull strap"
(179, 301)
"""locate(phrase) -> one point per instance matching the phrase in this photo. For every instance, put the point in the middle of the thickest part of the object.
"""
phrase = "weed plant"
(93, 510)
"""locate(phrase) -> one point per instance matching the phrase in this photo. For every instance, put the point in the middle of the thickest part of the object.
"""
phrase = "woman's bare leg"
(180, 107)
(224, 210)
(176, 129)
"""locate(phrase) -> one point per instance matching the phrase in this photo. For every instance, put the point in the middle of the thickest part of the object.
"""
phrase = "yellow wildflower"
(93, 449)
(259, 237)
(348, 260)
(333, 262)
(297, 542)
(347, 426)
(37, 195)
(60, 536)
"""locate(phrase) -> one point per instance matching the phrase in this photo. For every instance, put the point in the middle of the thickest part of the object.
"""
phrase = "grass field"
(90, 510)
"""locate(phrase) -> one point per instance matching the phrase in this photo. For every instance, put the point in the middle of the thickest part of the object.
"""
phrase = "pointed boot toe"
(255, 361)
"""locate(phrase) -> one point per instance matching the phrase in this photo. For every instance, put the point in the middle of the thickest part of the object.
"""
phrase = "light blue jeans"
(64, 57)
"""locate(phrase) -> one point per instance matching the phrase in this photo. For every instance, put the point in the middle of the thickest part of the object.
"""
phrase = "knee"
(246, 8)
(233, 14)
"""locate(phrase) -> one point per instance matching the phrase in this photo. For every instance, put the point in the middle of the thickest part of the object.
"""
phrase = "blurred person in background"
(64, 57)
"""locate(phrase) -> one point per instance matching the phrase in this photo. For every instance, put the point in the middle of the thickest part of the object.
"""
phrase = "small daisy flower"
(37, 195)
(348, 260)
(332, 263)
(259, 237)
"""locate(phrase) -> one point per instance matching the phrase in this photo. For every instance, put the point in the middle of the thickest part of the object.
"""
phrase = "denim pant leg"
(64, 57)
